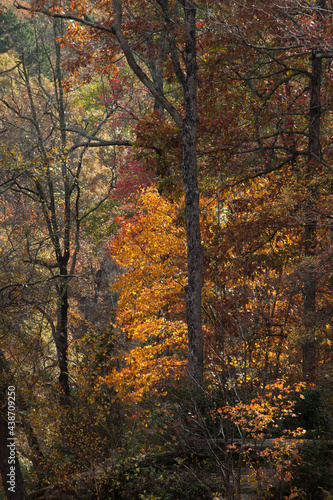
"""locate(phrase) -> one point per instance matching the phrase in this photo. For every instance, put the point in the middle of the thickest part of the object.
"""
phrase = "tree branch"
(100, 143)
(117, 32)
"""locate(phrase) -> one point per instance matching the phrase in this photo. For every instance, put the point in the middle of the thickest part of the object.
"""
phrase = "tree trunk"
(188, 126)
(61, 339)
(190, 177)
(310, 230)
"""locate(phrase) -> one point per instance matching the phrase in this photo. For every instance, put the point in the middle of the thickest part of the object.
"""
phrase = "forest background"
(166, 249)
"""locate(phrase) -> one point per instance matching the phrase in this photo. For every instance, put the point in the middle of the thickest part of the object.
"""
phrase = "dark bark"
(315, 107)
(61, 338)
(309, 347)
(194, 249)
(156, 74)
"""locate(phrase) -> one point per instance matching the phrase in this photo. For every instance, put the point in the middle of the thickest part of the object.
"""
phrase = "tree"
(49, 174)
(150, 248)
(180, 22)
(280, 75)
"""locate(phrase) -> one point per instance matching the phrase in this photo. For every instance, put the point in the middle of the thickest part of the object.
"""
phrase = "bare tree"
(51, 145)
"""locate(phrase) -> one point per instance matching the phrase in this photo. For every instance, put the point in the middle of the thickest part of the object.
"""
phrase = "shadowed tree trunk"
(309, 346)
(194, 250)
(188, 126)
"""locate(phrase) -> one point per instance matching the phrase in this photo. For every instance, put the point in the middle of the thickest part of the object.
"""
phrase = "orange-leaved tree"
(151, 248)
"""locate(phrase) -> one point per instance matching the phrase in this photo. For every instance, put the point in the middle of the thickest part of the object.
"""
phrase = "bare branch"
(323, 162)
(100, 143)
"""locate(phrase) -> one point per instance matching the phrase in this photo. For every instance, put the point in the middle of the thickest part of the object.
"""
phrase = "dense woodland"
(166, 249)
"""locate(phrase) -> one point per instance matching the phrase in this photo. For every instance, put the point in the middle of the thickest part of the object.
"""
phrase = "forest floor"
(161, 476)
(200, 473)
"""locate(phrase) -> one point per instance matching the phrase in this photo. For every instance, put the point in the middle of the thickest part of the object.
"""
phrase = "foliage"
(14, 33)
(161, 483)
(313, 473)
(20, 36)
(95, 243)
(151, 250)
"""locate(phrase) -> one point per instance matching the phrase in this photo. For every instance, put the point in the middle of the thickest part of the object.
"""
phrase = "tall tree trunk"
(310, 230)
(188, 126)
(190, 177)
(64, 255)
